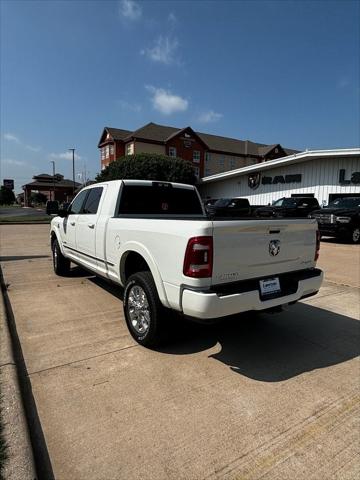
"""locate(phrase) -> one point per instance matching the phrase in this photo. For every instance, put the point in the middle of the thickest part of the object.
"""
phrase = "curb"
(24, 223)
(28, 457)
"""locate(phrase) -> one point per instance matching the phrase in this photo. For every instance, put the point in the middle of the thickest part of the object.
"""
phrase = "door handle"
(91, 225)
(72, 223)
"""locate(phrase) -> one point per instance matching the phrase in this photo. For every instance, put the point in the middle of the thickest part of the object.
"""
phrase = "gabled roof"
(163, 133)
(115, 133)
(152, 131)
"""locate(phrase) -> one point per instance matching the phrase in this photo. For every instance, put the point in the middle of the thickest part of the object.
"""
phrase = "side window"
(93, 200)
(77, 204)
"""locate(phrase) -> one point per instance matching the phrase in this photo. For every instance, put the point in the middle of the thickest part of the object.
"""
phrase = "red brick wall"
(187, 152)
(119, 149)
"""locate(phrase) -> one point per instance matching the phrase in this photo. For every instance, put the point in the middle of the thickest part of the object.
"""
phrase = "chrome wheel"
(356, 235)
(55, 256)
(138, 309)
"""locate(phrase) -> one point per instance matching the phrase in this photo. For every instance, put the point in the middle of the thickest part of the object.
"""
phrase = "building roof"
(45, 180)
(163, 133)
(152, 131)
(118, 133)
(283, 161)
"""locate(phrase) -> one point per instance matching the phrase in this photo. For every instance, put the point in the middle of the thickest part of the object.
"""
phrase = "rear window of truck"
(161, 199)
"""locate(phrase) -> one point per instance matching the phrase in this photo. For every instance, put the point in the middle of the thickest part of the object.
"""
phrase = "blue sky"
(272, 72)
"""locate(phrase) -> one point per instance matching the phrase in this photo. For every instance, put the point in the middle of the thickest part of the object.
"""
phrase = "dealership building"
(323, 174)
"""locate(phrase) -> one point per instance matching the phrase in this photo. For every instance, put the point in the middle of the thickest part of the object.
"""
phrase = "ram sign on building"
(323, 174)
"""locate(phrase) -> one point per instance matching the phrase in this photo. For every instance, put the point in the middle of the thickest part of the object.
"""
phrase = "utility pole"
(73, 165)
(52, 161)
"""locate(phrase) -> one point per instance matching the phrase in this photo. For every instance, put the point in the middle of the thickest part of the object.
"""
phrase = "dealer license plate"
(269, 286)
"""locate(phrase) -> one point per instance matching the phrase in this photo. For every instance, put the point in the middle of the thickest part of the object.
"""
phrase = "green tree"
(7, 196)
(149, 166)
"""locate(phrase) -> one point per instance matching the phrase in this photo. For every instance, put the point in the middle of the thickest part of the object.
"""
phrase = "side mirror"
(63, 213)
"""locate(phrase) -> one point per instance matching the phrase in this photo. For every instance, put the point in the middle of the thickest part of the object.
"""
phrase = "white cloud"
(11, 137)
(33, 149)
(172, 18)
(163, 51)
(64, 156)
(134, 107)
(16, 163)
(209, 116)
(166, 102)
(130, 9)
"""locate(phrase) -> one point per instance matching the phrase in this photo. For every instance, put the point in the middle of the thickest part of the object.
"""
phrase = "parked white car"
(154, 239)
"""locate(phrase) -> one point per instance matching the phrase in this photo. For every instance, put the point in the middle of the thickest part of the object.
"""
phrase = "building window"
(207, 157)
(207, 172)
(107, 151)
(232, 164)
(221, 164)
(196, 156)
(172, 152)
(111, 149)
(130, 149)
(197, 172)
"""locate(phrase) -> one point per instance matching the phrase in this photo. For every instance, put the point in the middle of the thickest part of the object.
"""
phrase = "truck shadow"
(12, 258)
(274, 348)
(265, 347)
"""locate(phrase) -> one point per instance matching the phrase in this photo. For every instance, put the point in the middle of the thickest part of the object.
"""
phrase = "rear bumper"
(208, 305)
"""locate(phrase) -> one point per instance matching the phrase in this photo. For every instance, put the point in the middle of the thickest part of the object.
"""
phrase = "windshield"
(345, 203)
(285, 202)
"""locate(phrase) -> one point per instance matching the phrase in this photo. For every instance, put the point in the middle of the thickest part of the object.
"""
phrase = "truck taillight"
(198, 261)
(317, 250)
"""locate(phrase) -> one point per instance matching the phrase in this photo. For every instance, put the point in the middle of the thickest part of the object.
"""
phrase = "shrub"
(149, 166)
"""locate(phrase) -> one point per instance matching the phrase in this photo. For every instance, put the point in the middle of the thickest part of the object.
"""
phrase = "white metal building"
(324, 174)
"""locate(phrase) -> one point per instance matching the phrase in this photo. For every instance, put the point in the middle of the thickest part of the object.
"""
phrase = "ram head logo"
(274, 247)
(254, 180)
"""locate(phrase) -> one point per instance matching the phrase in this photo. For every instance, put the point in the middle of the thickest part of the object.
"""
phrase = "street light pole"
(73, 165)
(52, 161)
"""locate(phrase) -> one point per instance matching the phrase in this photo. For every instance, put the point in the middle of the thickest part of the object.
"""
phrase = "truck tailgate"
(245, 249)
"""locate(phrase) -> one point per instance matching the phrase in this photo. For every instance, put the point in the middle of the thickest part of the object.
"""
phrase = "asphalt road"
(257, 396)
(21, 211)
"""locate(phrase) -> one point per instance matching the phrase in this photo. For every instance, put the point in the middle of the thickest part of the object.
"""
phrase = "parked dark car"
(209, 202)
(341, 219)
(52, 207)
(289, 207)
(229, 207)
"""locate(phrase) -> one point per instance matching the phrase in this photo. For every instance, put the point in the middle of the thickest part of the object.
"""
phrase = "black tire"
(61, 264)
(144, 322)
(355, 235)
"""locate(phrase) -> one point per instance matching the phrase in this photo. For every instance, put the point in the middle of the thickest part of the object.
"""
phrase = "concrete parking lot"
(257, 396)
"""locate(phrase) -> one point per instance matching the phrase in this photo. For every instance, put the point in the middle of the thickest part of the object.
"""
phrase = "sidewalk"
(20, 462)
(271, 396)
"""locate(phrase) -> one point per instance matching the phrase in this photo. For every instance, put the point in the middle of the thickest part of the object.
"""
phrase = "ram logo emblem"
(274, 247)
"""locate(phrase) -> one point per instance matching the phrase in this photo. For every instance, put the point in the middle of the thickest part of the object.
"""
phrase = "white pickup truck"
(154, 239)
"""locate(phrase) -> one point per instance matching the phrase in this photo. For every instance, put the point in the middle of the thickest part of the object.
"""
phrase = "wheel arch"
(135, 259)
